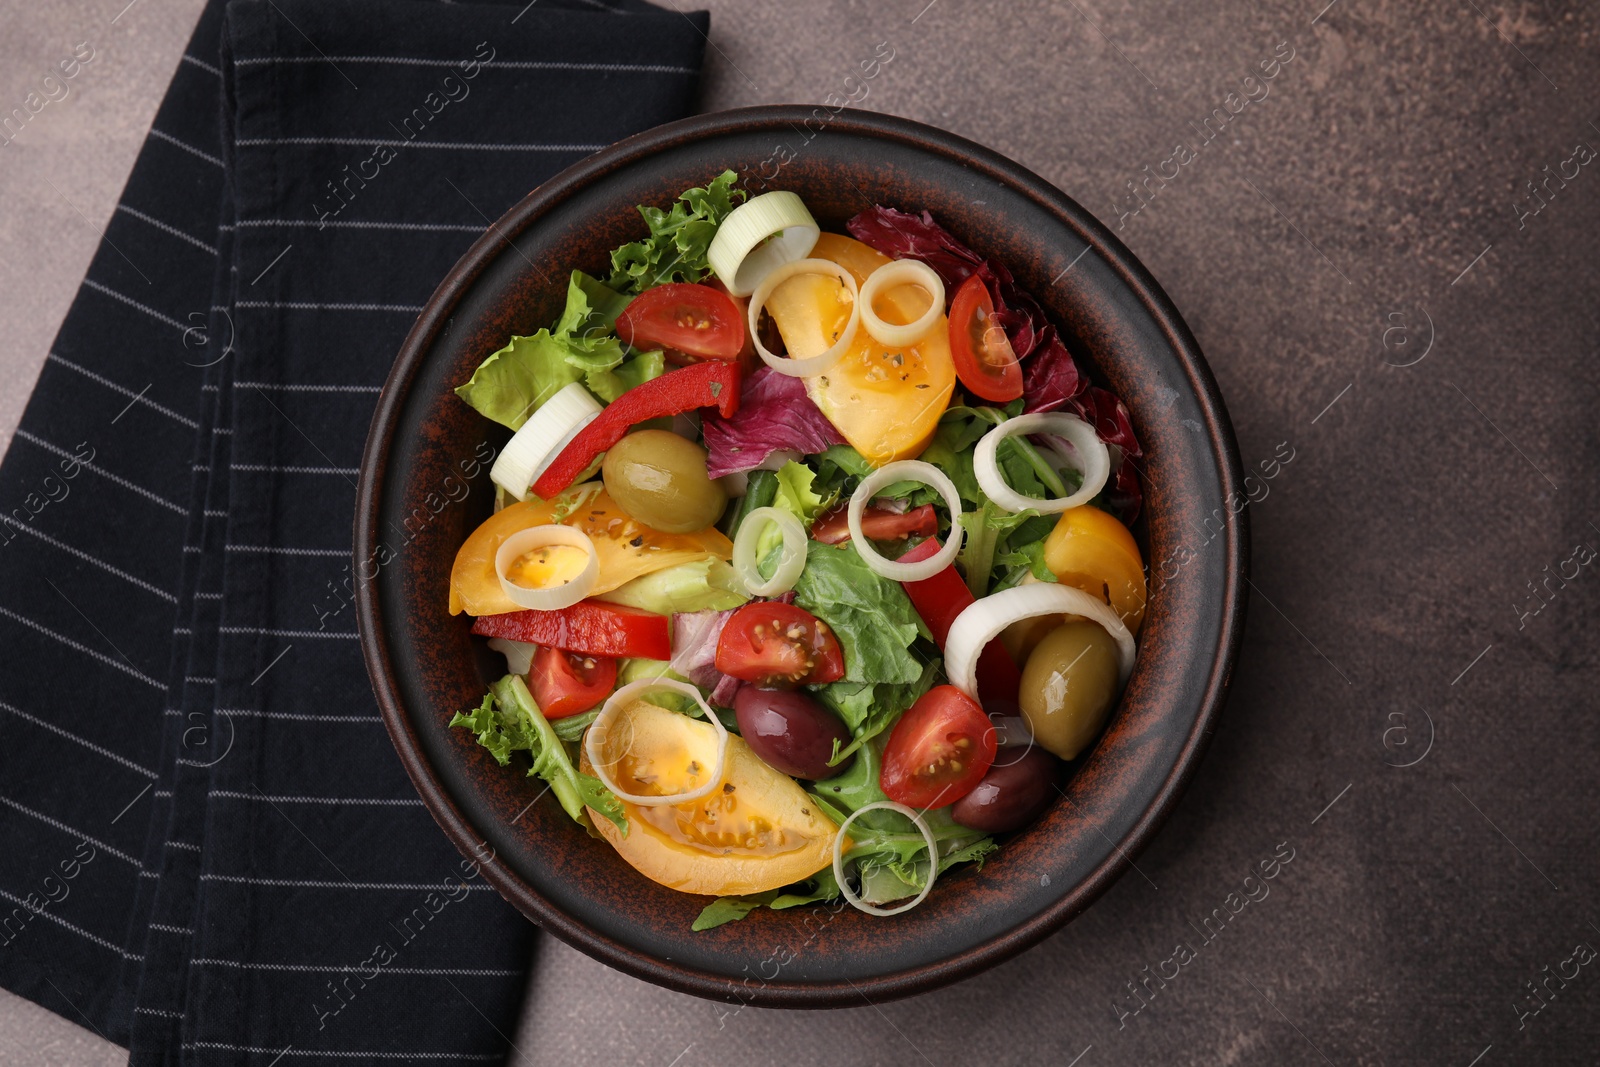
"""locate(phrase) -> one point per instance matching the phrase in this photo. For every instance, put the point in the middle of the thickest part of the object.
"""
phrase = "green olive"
(660, 479)
(1068, 686)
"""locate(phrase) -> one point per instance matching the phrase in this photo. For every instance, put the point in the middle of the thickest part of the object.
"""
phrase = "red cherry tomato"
(939, 750)
(985, 361)
(877, 524)
(777, 646)
(695, 321)
(566, 683)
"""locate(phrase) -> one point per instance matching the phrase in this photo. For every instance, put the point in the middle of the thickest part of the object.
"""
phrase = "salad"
(810, 562)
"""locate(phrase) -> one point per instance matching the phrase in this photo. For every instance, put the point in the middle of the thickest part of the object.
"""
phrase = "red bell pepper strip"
(877, 524)
(713, 383)
(939, 600)
(591, 627)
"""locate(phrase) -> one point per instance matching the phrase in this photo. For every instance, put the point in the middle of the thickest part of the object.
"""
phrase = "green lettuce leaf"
(675, 250)
(819, 887)
(509, 720)
(797, 494)
(514, 382)
(871, 708)
(706, 585)
(871, 615)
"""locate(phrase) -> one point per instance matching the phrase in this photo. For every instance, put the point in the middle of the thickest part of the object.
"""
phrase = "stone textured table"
(1384, 298)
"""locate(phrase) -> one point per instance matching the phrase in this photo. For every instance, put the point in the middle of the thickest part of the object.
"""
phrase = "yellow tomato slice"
(1091, 550)
(758, 832)
(624, 548)
(885, 401)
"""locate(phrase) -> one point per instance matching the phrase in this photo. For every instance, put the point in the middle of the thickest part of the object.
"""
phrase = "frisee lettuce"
(675, 251)
(510, 721)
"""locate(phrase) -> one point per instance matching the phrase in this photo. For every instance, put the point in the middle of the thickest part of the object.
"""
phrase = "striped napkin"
(208, 850)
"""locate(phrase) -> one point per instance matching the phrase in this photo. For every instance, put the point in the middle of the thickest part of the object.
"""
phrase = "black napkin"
(211, 852)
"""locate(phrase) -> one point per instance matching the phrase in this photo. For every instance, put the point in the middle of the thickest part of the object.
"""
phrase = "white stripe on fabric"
(117, 387)
(296, 716)
(184, 845)
(168, 229)
(64, 828)
(202, 64)
(320, 968)
(80, 931)
(87, 558)
(508, 64)
(131, 302)
(305, 387)
(58, 450)
(305, 305)
(337, 553)
(90, 745)
(222, 1046)
(455, 146)
(273, 468)
(120, 665)
(256, 631)
(191, 149)
(164, 928)
(354, 224)
(228, 794)
(162, 1012)
(307, 883)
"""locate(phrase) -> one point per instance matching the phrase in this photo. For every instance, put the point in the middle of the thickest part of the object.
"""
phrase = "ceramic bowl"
(424, 487)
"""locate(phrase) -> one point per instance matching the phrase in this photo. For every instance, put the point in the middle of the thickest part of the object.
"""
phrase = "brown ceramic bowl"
(425, 665)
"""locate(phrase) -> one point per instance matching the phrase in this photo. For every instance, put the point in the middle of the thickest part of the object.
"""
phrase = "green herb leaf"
(675, 251)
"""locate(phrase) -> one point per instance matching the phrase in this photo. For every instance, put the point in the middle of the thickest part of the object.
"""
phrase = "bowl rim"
(433, 320)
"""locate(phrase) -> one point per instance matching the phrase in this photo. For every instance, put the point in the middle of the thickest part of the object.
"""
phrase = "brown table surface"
(1380, 293)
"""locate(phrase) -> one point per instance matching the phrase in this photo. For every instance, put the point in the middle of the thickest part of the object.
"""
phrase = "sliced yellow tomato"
(758, 832)
(885, 401)
(624, 548)
(1091, 550)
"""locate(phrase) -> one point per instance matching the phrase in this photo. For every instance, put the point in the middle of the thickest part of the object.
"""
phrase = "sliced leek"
(1089, 452)
(600, 732)
(890, 276)
(541, 439)
(552, 597)
(838, 858)
(905, 470)
(805, 366)
(758, 236)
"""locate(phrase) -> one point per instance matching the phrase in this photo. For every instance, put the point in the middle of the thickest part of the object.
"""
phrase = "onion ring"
(981, 621)
(902, 470)
(562, 596)
(901, 272)
(599, 730)
(1091, 453)
(744, 552)
(838, 858)
(810, 366)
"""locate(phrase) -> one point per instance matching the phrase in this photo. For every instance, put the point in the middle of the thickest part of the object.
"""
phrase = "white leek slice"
(838, 858)
(599, 733)
(905, 470)
(890, 275)
(541, 439)
(518, 654)
(793, 561)
(553, 597)
(808, 366)
(758, 236)
(1093, 459)
(981, 621)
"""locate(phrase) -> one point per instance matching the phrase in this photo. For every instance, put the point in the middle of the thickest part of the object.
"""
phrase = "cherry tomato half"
(985, 361)
(566, 683)
(696, 321)
(939, 750)
(777, 646)
(877, 524)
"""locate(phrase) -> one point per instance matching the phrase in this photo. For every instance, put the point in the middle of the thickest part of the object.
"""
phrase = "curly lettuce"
(675, 250)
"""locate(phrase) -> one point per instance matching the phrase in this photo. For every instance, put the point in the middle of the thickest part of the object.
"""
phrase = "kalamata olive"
(1068, 686)
(660, 479)
(790, 731)
(1017, 788)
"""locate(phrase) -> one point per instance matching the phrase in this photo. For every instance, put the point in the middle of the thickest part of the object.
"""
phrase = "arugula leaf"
(819, 887)
(509, 720)
(869, 709)
(675, 251)
(985, 527)
(871, 615)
